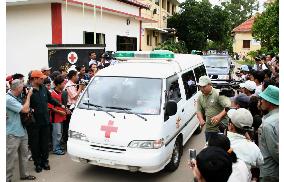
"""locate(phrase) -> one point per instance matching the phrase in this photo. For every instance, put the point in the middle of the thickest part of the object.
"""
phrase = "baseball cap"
(271, 94)
(250, 85)
(37, 74)
(244, 68)
(45, 68)
(204, 80)
(73, 67)
(257, 58)
(242, 100)
(9, 78)
(240, 117)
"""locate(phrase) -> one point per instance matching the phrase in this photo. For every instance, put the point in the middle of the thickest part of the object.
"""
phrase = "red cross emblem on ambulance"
(72, 57)
(109, 128)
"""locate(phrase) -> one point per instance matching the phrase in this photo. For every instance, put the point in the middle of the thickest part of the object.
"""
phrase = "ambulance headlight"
(147, 144)
(223, 77)
(77, 135)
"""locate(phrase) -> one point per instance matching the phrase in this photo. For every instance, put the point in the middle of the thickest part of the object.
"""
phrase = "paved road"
(63, 169)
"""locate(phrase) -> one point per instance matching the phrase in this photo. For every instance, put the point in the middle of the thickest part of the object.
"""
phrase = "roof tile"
(245, 26)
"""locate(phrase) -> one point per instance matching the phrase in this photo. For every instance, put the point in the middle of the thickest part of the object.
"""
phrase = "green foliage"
(252, 54)
(266, 28)
(246, 61)
(239, 10)
(199, 22)
(176, 47)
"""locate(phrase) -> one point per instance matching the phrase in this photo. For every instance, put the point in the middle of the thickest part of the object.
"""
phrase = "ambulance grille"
(108, 149)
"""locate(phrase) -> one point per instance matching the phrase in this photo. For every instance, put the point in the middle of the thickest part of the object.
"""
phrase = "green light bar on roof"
(144, 54)
(124, 54)
(162, 54)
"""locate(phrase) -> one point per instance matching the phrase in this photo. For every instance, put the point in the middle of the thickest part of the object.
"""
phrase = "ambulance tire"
(198, 130)
(175, 159)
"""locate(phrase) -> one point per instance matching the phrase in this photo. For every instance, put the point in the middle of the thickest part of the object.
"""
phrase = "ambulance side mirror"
(171, 108)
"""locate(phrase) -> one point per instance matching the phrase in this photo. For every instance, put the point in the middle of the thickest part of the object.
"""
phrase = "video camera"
(83, 82)
(25, 91)
(228, 89)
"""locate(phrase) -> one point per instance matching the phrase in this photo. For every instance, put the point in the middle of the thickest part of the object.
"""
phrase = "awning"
(157, 29)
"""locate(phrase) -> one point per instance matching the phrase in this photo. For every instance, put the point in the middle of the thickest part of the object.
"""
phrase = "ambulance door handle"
(182, 110)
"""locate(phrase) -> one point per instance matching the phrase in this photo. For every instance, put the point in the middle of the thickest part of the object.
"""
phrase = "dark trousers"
(38, 139)
(209, 134)
(65, 129)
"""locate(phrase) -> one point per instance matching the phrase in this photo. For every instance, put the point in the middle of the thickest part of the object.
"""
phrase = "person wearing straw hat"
(269, 134)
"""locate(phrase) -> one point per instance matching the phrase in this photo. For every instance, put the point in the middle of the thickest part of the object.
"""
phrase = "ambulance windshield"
(141, 95)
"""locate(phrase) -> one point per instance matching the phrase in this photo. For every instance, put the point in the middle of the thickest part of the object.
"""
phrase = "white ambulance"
(138, 114)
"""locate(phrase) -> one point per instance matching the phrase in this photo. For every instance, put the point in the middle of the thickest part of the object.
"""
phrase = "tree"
(266, 28)
(239, 10)
(199, 22)
(176, 47)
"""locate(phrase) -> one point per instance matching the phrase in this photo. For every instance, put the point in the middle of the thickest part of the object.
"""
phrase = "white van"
(138, 114)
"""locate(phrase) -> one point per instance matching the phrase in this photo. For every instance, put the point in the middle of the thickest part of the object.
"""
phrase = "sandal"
(29, 177)
(59, 152)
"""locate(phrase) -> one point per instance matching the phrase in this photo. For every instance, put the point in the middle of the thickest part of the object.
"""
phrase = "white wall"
(117, 5)
(28, 30)
(74, 23)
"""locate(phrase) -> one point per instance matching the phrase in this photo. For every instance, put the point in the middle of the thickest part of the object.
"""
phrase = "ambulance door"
(173, 123)
(190, 89)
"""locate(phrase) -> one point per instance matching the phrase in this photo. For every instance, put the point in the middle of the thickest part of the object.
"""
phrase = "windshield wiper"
(99, 108)
(128, 111)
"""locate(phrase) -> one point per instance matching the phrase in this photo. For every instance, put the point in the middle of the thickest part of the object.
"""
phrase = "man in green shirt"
(269, 134)
(211, 107)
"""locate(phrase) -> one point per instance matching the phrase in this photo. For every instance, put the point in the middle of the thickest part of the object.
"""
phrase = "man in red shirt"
(58, 115)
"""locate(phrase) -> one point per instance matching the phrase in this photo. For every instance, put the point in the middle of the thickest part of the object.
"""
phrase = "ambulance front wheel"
(175, 160)
(198, 130)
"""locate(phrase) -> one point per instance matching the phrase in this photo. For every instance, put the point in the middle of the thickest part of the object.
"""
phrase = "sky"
(217, 2)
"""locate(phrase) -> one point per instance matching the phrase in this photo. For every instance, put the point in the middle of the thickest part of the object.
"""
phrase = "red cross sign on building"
(72, 57)
(109, 128)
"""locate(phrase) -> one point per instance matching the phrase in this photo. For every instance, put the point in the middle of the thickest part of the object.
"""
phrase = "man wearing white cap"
(46, 71)
(248, 88)
(240, 122)
(269, 134)
(212, 106)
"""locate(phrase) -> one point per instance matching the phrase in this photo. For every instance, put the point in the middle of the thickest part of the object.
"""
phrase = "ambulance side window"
(173, 93)
(199, 71)
(189, 83)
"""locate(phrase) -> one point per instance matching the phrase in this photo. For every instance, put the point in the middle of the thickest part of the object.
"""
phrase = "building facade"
(243, 41)
(33, 24)
(157, 32)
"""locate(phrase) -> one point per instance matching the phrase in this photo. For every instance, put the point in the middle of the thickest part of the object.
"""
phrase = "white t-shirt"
(258, 89)
(191, 82)
(240, 172)
(245, 150)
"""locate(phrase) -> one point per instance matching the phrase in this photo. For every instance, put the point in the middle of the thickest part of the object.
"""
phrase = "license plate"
(104, 161)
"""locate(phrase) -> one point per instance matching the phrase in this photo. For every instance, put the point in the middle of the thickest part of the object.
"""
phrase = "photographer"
(73, 95)
(16, 135)
(212, 164)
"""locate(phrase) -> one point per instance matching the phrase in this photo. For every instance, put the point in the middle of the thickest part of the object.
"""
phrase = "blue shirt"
(13, 122)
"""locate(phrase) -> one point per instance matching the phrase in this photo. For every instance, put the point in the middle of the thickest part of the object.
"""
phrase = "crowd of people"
(50, 98)
(243, 129)
(242, 132)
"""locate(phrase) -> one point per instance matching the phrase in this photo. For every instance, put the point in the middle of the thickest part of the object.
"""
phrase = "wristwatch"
(227, 109)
